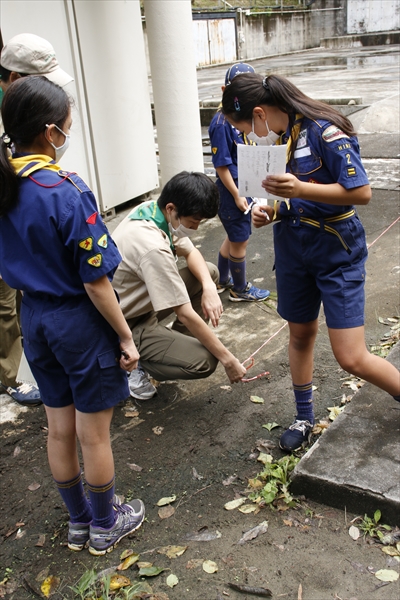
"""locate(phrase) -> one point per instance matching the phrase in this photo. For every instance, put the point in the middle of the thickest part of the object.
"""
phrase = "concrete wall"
(368, 16)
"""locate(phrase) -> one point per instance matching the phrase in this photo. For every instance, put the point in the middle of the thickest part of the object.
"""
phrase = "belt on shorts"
(322, 224)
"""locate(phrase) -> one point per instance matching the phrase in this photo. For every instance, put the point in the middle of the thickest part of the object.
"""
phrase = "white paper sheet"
(255, 163)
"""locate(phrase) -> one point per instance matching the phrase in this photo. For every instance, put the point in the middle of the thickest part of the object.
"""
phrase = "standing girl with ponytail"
(56, 249)
(319, 241)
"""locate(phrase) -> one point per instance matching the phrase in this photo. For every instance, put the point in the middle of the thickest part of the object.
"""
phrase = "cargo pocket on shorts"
(354, 281)
(110, 372)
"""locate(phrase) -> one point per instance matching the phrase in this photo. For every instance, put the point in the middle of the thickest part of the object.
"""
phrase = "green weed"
(275, 480)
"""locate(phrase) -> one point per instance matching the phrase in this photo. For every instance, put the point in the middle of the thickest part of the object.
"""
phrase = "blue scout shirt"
(323, 154)
(224, 140)
(54, 240)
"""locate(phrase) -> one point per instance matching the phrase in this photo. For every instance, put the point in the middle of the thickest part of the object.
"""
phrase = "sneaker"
(249, 294)
(297, 436)
(129, 517)
(25, 394)
(78, 536)
(139, 385)
(224, 285)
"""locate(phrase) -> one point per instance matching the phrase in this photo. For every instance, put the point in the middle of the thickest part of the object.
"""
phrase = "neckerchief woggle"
(150, 211)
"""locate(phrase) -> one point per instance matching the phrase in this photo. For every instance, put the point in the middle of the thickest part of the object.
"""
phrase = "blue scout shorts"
(73, 353)
(236, 224)
(313, 266)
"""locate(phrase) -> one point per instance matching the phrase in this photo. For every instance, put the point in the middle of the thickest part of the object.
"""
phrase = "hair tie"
(236, 104)
(6, 139)
(265, 84)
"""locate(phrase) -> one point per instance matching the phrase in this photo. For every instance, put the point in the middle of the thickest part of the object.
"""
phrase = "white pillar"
(174, 80)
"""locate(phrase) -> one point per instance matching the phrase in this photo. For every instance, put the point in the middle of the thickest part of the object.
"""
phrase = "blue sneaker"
(297, 436)
(25, 394)
(224, 285)
(129, 517)
(249, 294)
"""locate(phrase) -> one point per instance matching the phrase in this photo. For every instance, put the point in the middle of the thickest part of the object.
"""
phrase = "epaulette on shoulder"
(67, 176)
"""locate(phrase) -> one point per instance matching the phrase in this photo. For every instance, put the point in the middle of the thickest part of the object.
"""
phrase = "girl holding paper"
(320, 247)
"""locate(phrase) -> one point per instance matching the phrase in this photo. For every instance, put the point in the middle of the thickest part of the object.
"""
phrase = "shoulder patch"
(103, 241)
(95, 260)
(92, 219)
(214, 150)
(333, 133)
(351, 172)
(86, 244)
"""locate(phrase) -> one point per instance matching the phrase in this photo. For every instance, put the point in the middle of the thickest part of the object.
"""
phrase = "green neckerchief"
(150, 211)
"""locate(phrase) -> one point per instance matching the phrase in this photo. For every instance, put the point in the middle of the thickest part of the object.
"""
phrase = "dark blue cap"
(237, 69)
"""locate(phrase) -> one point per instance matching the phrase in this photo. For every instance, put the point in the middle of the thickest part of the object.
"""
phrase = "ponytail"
(8, 177)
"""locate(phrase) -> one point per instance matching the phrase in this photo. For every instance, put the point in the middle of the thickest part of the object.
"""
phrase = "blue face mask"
(60, 150)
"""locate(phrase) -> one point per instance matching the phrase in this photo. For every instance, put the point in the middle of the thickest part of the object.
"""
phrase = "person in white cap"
(24, 54)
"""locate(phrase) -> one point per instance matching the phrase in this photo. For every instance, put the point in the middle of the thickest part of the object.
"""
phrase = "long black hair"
(28, 105)
(245, 93)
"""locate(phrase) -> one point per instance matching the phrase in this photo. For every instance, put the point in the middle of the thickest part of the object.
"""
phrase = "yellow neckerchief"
(28, 164)
(294, 134)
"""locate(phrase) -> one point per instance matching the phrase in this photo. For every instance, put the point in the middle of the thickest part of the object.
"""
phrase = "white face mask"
(60, 150)
(265, 140)
(181, 231)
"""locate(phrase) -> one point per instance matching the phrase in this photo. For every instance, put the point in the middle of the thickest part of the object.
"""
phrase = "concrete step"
(377, 38)
(355, 464)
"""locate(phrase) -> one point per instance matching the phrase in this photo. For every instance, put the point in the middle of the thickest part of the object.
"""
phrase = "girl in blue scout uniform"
(56, 249)
(320, 247)
(234, 210)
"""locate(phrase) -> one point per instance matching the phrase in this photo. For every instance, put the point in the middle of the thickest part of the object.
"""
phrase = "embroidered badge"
(103, 241)
(95, 260)
(86, 244)
(92, 219)
(214, 150)
(302, 139)
(351, 171)
(333, 133)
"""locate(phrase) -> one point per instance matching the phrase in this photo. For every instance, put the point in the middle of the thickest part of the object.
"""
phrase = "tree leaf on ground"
(387, 575)
(270, 426)
(257, 399)
(41, 540)
(134, 467)
(255, 484)
(265, 459)
(203, 536)
(390, 551)
(118, 581)
(166, 512)
(194, 563)
(49, 585)
(166, 500)
(20, 534)
(248, 508)
(196, 475)
(254, 532)
(262, 445)
(144, 565)
(225, 387)
(131, 414)
(126, 553)
(229, 480)
(209, 566)
(334, 411)
(234, 503)
(33, 487)
(150, 571)
(128, 562)
(172, 580)
(354, 532)
(158, 430)
(172, 551)
(17, 450)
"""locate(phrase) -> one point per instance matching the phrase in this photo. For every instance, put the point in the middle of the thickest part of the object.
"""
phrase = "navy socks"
(223, 268)
(304, 402)
(238, 271)
(101, 498)
(75, 499)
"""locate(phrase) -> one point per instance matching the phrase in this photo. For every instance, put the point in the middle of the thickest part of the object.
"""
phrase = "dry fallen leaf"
(209, 566)
(17, 451)
(172, 580)
(248, 508)
(41, 540)
(166, 511)
(33, 487)
(134, 467)
(172, 551)
(131, 414)
(158, 430)
(128, 562)
(254, 532)
(257, 399)
(194, 563)
(229, 480)
(20, 534)
(118, 581)
(196, 475)
(234, 503)
(49, 585)
(354, 532)
(265, 459)
(387, 575)
(390, 551)
(166, 500)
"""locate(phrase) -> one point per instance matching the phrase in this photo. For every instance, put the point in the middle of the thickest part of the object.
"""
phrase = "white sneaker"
(139, 385)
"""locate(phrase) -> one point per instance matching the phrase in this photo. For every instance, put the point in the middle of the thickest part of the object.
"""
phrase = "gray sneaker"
(129, 517)
(139, 385)
(78, 536)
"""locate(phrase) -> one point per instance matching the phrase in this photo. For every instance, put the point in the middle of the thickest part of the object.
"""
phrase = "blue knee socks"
(304, 402)
(74, 496)
(101, 498)
(223, 268)
(238, 271)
